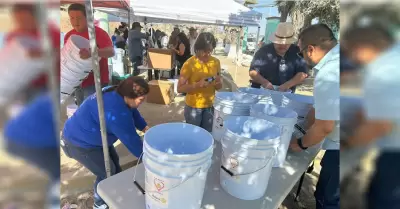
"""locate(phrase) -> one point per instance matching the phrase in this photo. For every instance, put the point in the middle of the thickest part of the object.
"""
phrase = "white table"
(119, 192)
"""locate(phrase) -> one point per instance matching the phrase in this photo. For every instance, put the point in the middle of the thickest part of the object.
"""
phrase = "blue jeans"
(46, 159)
(327, 193)
(384, 189)
(202, 117)
(93, 160)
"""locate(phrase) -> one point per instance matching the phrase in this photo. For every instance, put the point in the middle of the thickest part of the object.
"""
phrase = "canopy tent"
(116, 4)
(221, 12)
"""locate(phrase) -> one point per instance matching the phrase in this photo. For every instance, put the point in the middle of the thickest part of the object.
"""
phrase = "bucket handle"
(167, 190)
(300, 129)
(243, 174)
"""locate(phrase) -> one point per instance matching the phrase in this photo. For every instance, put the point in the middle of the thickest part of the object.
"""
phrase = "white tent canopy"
(215, 12)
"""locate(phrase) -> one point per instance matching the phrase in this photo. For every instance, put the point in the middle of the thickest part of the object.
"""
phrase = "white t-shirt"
(192, 41)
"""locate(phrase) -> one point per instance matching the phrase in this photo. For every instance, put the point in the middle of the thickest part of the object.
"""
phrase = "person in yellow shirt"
(199, 79)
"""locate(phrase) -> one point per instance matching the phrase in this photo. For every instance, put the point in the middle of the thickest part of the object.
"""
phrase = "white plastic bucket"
(71, 109)
(266, 96)
(301, 104)
(230, 103)
(285, 117)
(249, 146)
(117, 62)
(176, 157)
(73, 69)
(17, 69)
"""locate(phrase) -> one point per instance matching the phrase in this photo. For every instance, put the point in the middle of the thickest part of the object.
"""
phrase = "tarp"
(215, 12)
(116, 4)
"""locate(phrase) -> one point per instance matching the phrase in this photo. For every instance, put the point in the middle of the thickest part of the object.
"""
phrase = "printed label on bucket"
(232, 164)
(156, 187)
(219, 121)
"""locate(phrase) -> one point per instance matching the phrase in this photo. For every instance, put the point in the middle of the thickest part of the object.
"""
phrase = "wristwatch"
(300, 143)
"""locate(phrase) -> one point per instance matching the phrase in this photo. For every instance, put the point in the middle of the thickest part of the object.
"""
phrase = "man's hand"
(284, 87)
(145, 129)
(268, 85)
(202, 83)
(294, 146)
(35, 53)
(85, 54)
(218, 80)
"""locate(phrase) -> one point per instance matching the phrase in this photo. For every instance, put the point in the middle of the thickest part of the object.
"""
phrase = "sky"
(267, 12)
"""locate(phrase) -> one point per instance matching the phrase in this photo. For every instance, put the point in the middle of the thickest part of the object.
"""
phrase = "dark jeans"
(82, 93)
(47, 160)
(384, 189)
(156, 74)
(93, 160)
(136, 62)
(327, 193)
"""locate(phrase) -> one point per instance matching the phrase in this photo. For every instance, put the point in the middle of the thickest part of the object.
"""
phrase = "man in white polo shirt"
(319, 48)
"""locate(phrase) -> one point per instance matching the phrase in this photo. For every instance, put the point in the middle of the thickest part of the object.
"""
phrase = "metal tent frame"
(89, 5)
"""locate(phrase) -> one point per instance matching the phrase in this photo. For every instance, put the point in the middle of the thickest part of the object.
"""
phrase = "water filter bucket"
(285, 117)
(248, 150)
(73, 69)
(230, 103)
(177, 157)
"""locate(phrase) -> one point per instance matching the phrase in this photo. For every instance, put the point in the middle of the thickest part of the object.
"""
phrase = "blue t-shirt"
(83, 128)
(34, 126)
(277, 69)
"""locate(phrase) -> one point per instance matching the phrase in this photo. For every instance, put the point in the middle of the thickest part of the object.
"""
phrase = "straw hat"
(284, 34)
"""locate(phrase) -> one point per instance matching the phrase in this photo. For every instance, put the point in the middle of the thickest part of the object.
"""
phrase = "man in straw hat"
(277, 63)
(321, 51)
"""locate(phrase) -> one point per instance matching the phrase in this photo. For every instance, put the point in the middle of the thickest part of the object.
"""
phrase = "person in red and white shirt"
(25, 25)
(77, 16)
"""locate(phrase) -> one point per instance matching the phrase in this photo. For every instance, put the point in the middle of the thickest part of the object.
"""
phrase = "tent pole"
(96, 72)
(52, 77)
(237, 52)
(129, 17)
(258, 37)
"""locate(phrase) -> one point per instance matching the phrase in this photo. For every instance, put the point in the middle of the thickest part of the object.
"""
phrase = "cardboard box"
(161, 92)
(160, 59)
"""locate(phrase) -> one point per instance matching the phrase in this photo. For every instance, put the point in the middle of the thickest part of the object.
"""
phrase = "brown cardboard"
(160, 59)
(161, 92)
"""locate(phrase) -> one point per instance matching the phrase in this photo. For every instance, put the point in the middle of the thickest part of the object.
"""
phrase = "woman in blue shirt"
(82, 138)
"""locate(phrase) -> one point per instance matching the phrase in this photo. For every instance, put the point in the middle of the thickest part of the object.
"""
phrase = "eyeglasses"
(300, 54)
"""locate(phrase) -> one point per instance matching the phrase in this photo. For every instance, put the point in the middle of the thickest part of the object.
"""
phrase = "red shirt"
(103, 41)
(54, 33)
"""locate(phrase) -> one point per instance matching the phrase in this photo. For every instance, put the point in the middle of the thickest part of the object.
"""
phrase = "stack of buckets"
(301, 104)
(230, 103)
(177, 157)
(73, 68)
(254, 138)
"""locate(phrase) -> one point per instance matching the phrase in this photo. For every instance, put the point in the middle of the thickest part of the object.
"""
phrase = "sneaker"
(103, 206)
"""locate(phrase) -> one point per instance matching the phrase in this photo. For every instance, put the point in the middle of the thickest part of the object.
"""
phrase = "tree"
(303, 12)
(285, 8)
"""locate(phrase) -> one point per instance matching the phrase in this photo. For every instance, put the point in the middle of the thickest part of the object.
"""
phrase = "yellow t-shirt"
(194, 70)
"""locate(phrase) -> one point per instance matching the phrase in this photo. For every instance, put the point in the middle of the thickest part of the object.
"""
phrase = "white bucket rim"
(220, 99)
(175, 164)
(145, 137)
(229, 120)
(178, 159)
